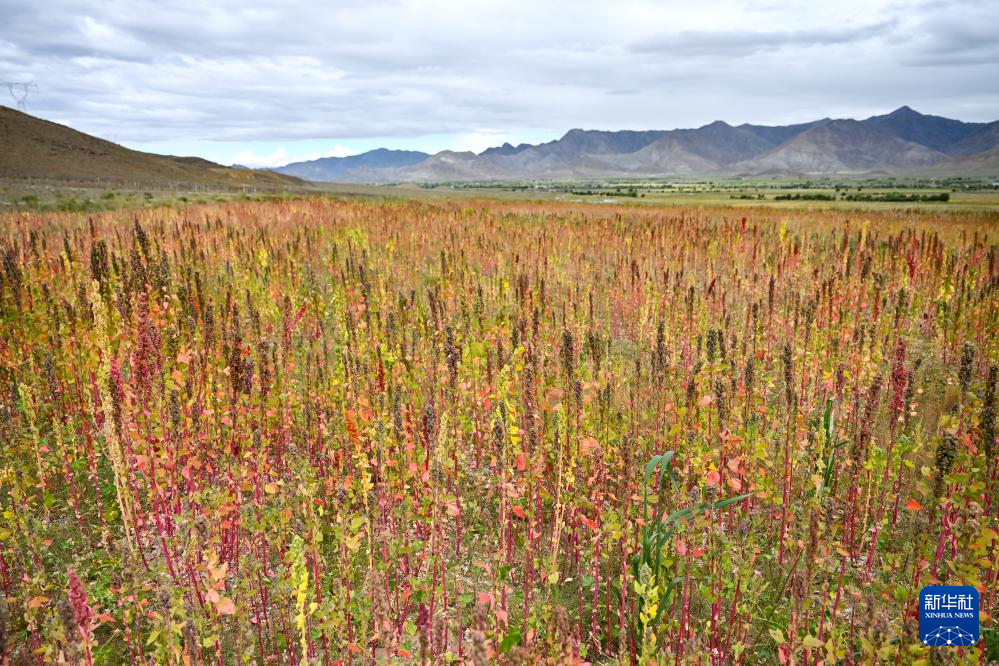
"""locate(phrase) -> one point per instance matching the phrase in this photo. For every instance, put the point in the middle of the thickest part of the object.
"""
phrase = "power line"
(19, 91)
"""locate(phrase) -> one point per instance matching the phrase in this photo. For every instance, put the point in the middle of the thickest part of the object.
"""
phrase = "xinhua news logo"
(948, 615)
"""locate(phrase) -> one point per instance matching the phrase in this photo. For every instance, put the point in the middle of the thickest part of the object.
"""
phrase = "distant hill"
(985, 163)
(578, 142)
(337, 168)
(778, 134)
(34, 148)
(506, 149)
(901, 142)
(981, 141)
(719, 143)
(931, 131)
(841, 147)
(668, 155)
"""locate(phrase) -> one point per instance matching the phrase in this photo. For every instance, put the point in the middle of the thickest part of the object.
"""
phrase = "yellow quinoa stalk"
(647, 589)
(115, 451)
(437, 460)
(437, 471)
(561, 437)
(300, 582)
(28, 404)
(867, 500)
(366, 479)
(502, 407)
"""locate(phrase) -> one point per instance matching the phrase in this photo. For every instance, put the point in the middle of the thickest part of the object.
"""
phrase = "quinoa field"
(343, 432)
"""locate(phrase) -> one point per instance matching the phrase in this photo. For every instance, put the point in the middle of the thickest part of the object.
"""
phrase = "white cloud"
(478, 140)
(256, 71)
(281, 156)
(248, 158)
(335, 151)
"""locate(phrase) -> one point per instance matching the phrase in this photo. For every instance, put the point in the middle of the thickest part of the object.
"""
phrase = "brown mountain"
(841, 147)
(589, 154)
(933, 132)
(777, 134)
(985, 163)
(984, 139)
(669, 155)
(703, 150)
(34, 148)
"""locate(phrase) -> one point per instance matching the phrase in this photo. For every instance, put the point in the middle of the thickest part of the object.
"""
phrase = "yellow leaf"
(777, 635)
(225, 606)
(36, 602)
(271, 488)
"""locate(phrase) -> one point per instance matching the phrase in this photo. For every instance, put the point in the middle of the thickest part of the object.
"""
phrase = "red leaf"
(517, 511)
(913, 505)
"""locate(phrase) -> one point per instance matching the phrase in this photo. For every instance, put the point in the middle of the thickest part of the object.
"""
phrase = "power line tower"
(19, 90)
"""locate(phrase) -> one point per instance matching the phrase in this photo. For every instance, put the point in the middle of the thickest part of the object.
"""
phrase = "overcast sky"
(268, 83)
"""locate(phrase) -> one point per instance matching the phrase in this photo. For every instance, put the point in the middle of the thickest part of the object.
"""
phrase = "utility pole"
(19, 91)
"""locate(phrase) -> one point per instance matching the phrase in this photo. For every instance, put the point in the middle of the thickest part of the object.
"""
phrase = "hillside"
(34, 148)
(334, 168)
(842, 147)
(931, 131)
(981, 141)
(985, 163)
(718, 143)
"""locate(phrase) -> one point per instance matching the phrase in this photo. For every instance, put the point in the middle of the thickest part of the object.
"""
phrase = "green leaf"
(677, 515)
(731, 500)
(661, 461)
(510, 641)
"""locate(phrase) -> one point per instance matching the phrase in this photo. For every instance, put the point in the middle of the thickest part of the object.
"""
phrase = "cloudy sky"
(268, 83)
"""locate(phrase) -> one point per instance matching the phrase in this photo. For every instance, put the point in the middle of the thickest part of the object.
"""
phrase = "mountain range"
(903, 142)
